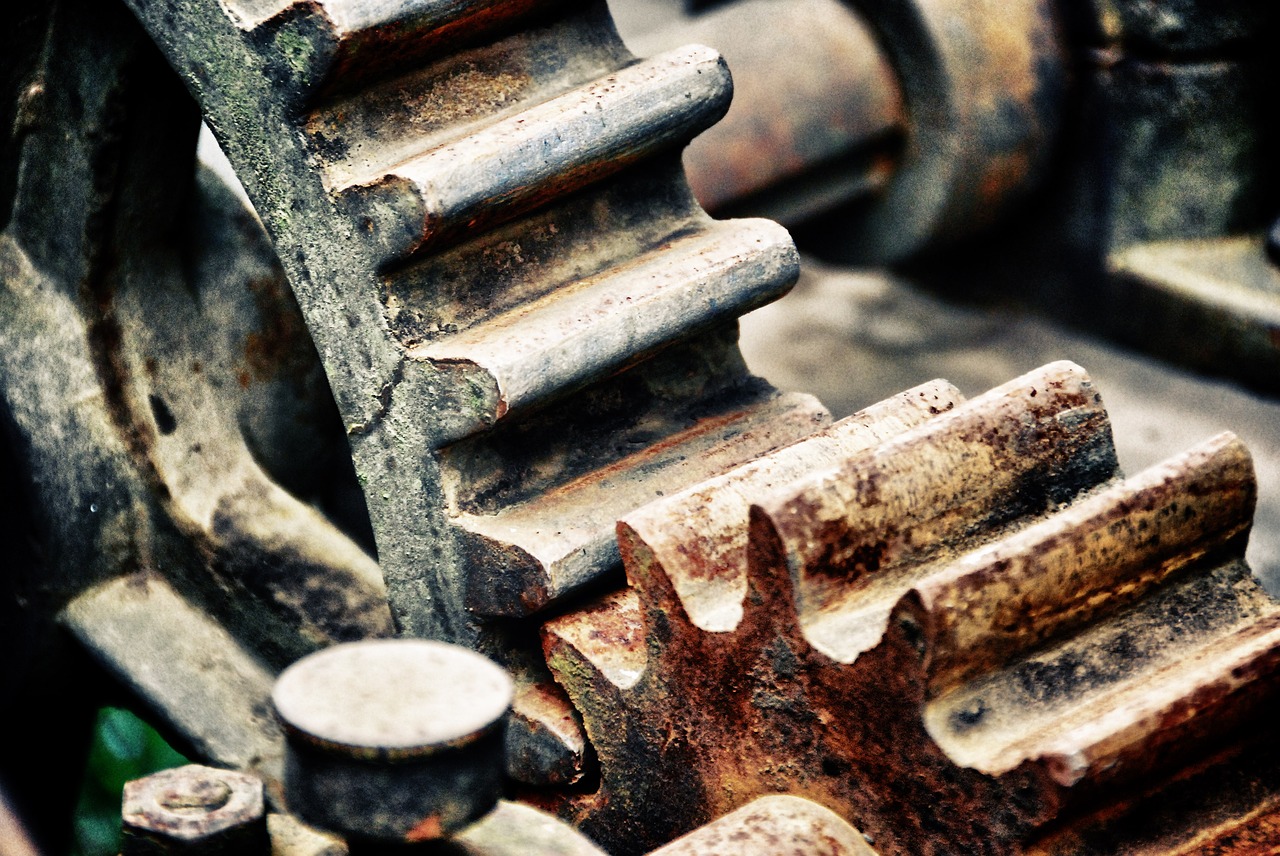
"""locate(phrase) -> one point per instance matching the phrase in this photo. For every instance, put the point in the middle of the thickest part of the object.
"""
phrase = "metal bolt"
(393, 740)
(194, 810)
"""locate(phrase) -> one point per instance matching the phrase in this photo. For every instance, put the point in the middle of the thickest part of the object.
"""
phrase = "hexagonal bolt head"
(194, 811)
(393, 741)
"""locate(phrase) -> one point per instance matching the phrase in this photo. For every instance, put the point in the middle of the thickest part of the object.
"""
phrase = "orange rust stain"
(282, 345)
(428, 829)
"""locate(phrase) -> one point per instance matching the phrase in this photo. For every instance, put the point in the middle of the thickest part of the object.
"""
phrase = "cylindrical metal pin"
(393, 740)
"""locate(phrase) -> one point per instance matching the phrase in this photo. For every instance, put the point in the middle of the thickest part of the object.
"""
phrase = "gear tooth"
(590, 328)
(770, 582)
(598, 655)
(698, 537)
(538, 547)
(1085, 563)
(326, 46)
(858, 536)
(651, 580)
(1098, 597)
(1044, 631)
(492, 240)
(546, 744)
(521, 161)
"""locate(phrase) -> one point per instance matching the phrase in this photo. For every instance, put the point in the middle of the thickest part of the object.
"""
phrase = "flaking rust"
(970, 634)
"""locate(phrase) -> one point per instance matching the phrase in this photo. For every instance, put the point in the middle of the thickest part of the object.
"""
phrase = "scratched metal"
(493, 321)
(967, 637)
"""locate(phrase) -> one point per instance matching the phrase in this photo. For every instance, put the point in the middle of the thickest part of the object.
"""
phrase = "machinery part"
(465, 269)
(527, 321)
(1167, 142)
(476, 457)
(168, 433)
(985, 100)
(998, 646)
(1181, 171)
(1164, 139)
(393, 740)
(807, 130)
(513, 829)
(292, 837)
(925, 131)
(770, 825)
(194, 811)
(1206, 304)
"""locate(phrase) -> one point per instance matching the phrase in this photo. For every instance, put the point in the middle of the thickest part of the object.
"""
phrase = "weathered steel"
(417, 245)
(164, 416)
(1211, 304)
(528, 323)
(513, 829)
(908, 123)
(992, 636)
(817, 117)
(394, 740)
(292, 837)
(194, 811)
(153, 640)
(773, 825)
(984, 84)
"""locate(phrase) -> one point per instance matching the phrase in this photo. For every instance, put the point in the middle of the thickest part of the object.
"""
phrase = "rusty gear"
(996, 644)
(527, 323)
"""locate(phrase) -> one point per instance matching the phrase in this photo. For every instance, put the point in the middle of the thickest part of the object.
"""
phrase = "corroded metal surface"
(779, 825)
(529, 329)
(527, 325)
(817, 117)
(195, 810)
(908, 124)
(393, 740)
(168, 431)
(991, 636)
(427, 243)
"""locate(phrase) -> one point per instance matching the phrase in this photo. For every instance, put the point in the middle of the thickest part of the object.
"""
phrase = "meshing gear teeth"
(528, 326)
(512, 291)
(969, 634)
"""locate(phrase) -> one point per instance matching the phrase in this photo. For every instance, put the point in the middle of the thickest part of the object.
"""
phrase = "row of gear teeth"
(528, 324)
(955, 624)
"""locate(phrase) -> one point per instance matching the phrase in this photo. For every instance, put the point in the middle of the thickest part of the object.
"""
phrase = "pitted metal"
(528, 327)
(194, 810)
(970, 635)
(527, 323)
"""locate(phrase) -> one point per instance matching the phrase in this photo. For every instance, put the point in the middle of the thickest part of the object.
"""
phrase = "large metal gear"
(962, 632)
(526, 322)
(527, 327)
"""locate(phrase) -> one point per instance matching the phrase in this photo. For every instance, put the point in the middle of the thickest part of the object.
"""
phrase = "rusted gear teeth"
(528, 323)
(995, 638)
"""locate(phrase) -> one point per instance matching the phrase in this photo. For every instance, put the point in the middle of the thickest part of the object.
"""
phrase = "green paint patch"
(124, 748)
